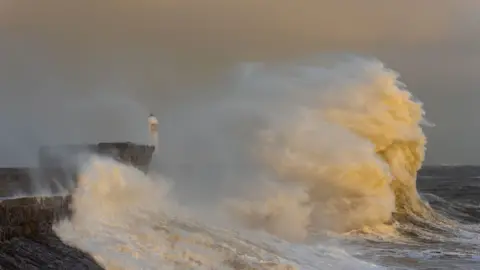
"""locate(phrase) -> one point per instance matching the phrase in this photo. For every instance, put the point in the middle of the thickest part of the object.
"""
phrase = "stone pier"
(26, 237)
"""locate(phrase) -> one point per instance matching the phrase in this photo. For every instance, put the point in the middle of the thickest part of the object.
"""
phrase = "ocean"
(449, 243)
(148, 238)
(302, 166)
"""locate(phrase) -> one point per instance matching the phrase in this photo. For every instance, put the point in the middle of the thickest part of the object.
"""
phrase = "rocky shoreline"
(27, 240)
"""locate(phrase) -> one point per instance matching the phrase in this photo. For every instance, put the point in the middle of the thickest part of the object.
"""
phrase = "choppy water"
(452, 191)
(315, 168)
(147, 232)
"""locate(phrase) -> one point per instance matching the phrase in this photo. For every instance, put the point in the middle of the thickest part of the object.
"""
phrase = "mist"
(75, 72)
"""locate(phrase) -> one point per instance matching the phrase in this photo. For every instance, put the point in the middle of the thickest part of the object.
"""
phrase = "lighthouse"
(153, 128)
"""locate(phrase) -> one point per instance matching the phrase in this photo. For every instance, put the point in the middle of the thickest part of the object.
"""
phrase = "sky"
(59, 58)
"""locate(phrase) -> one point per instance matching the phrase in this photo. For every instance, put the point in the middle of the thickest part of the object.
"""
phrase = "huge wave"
(345, 156)
(336, 147)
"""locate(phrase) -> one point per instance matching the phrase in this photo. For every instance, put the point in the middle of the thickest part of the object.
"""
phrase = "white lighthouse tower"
(153, 127)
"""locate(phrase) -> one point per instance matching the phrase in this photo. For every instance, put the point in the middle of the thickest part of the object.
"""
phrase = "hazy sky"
(162, 54)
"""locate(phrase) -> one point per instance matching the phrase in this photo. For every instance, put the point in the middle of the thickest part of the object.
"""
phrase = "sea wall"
(26, 218)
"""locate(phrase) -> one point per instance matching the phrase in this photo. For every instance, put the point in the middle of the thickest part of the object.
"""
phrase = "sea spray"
(322, 171)
(128, 220)
(351, 137)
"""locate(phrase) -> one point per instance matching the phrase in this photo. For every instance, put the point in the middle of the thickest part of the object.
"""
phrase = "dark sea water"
(452, 241)
(449, 239)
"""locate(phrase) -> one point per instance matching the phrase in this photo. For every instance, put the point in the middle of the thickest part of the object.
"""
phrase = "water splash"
(339, 146)
(127, 220)
(351, 138)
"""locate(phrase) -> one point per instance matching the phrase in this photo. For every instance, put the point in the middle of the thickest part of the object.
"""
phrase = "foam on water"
(337, 149)
(127, 220)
